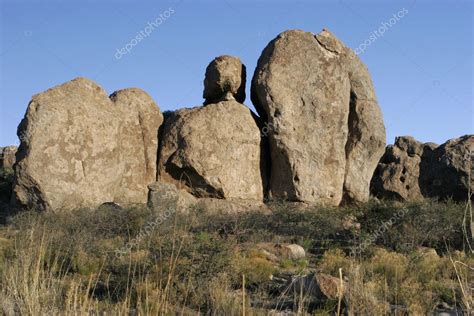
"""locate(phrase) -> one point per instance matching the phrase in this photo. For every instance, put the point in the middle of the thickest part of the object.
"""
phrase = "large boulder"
(449, 172)
(7, 157)
(213, 151)
(398, 173)
(141, 119)
(326, 128)
(79, 148)
(411, 170)
(225, 80)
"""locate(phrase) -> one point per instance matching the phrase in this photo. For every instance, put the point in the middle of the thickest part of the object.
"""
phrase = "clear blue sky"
(422, 65)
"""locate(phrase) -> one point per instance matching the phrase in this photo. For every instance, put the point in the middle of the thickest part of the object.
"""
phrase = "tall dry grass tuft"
(32, 282)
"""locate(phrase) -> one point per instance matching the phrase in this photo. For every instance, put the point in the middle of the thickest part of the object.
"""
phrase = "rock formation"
(225, 80)
(7, 156)
(319, 138)
(398, 173)
(449, 172)
(327, 132)
(410, 170)
(79, 148)
(213, 151)
(141, 119)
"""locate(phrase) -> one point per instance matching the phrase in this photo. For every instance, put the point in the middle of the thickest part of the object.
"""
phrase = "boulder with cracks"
(327, 133)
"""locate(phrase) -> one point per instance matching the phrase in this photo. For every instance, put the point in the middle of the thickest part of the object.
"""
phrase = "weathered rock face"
(366, 140)
(398, 173)
(225, 80)
(449, 171)
(141, 119)
(213, 151)
(411, 170)
(81, 149)
(7, 156)
(303, 91)
(327, 132)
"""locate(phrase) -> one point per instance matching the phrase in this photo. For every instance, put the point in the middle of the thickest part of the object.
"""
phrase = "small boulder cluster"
(410, 170)
(317, 137)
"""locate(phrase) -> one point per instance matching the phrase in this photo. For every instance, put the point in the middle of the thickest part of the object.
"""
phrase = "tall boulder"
(213, 151)
(327, 133)
(141, 119)
(7, 157)
(79, 148)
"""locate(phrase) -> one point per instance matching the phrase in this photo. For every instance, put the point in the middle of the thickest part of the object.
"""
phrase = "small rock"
(426, 252)
(165, 196)
(317, 286)
(225, 80)
(280, 251)
(110, 206)
(350, 222)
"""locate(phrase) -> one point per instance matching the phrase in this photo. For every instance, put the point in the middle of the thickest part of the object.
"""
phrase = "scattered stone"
(428, 253)
(79, 148)
(225, 80)
(7, 156)
(110, 206)
(350, 222)
(318, 286)
(214, 151)
(327, 132)
(165, 196)
(278, 251)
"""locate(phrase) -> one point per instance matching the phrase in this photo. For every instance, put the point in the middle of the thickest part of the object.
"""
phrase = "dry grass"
(66, 263)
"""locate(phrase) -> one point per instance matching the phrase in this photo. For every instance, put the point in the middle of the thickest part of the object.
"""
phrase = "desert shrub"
(414, 224)
(195, 262)
(334, 259)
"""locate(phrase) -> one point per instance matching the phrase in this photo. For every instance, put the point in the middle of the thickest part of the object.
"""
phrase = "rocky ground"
(374, 259)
